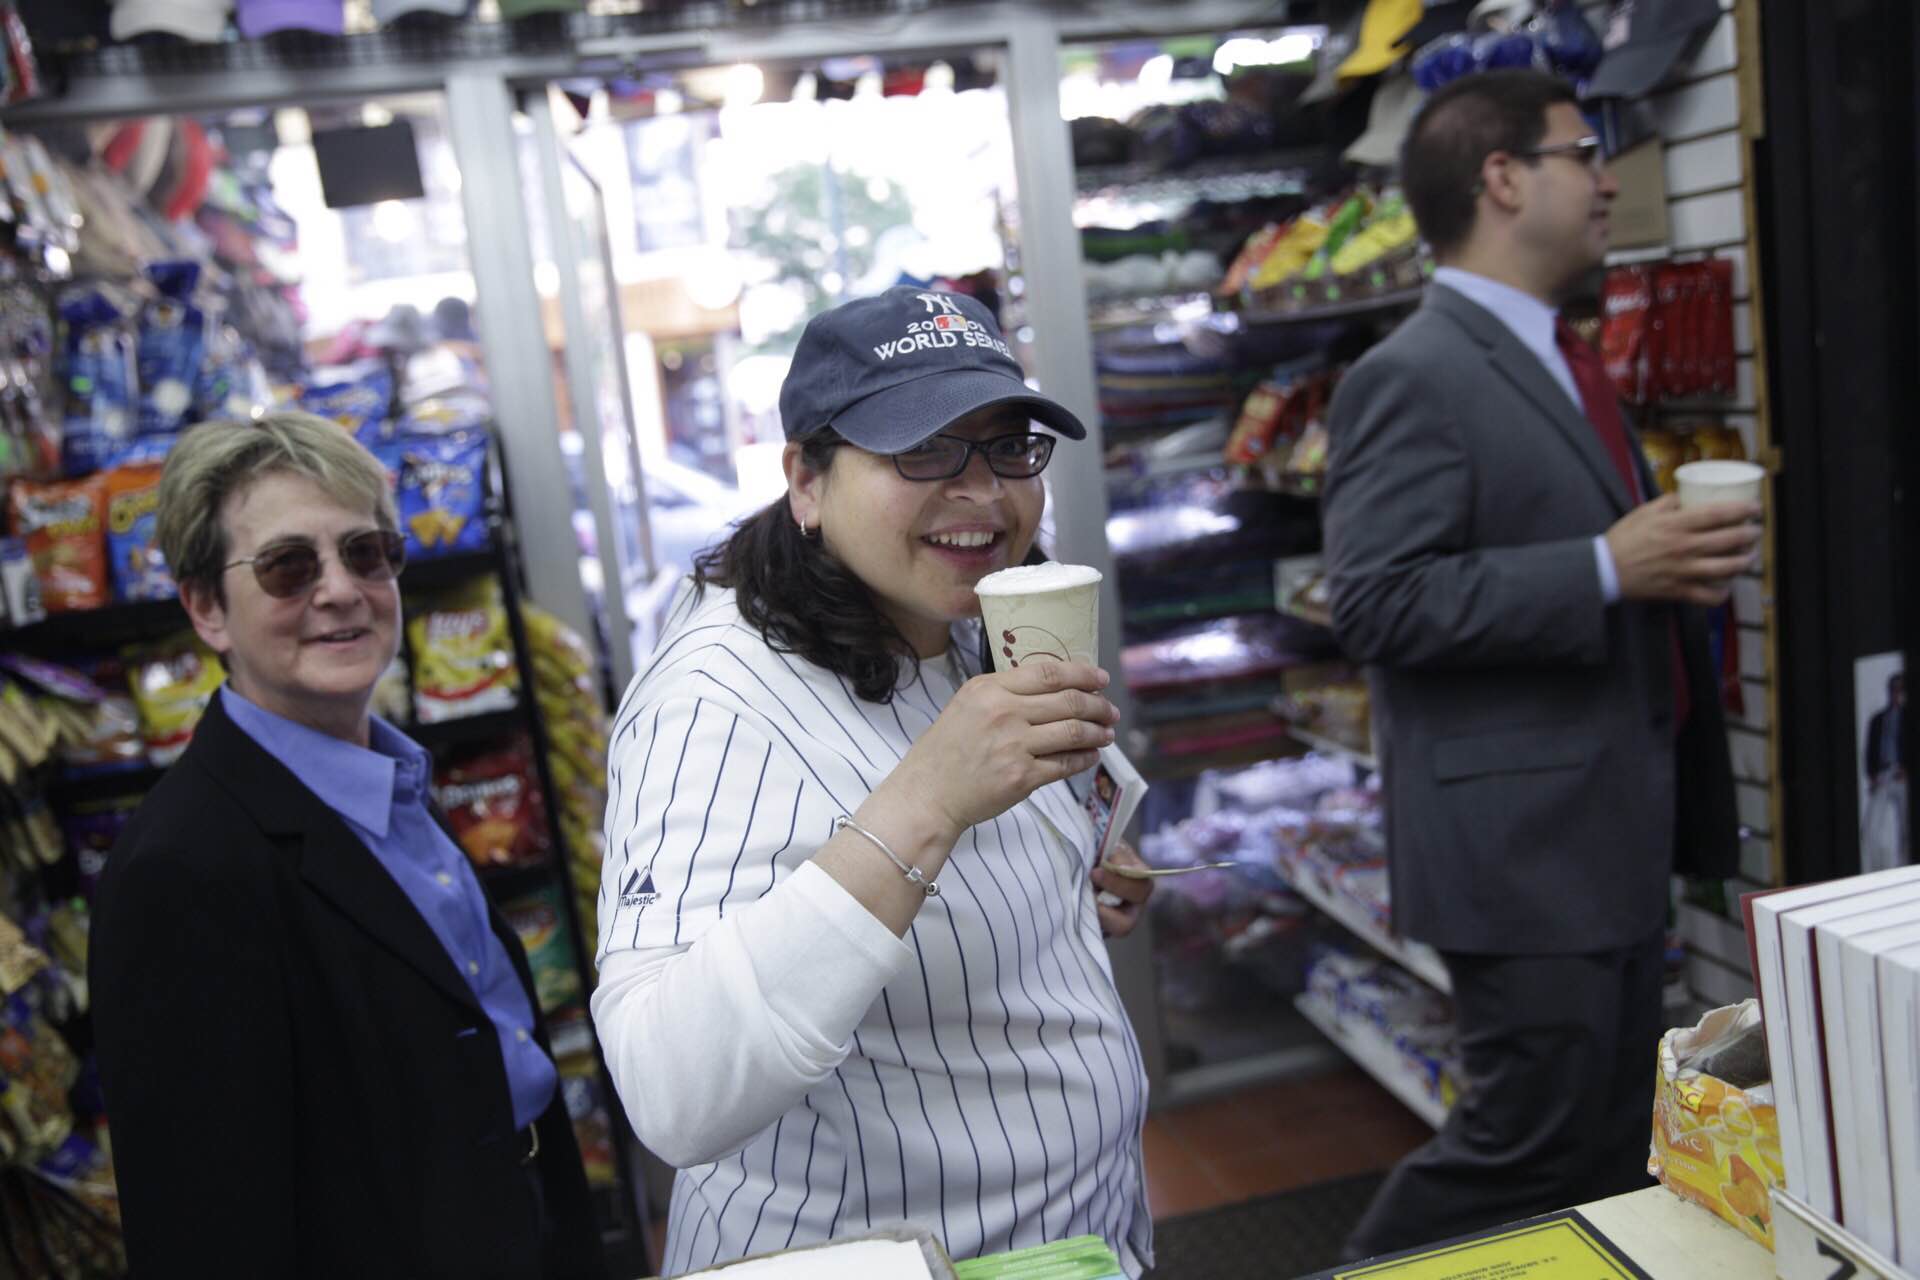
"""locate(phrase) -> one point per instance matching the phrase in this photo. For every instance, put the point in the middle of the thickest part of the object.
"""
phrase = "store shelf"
(1417, 958)
(482, 728)
(1225, 178)
(97, 630)
(446, 571)
(1380, 303)
(1307, 614)
(510, 882)
(1331, 747)
(66, 793)
(1375, 1055)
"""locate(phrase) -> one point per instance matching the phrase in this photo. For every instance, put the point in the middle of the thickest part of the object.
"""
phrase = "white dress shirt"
(1532, 322)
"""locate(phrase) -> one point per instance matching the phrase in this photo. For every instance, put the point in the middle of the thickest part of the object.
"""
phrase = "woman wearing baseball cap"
(851, 969)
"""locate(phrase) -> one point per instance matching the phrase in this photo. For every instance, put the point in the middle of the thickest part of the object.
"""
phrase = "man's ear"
(208, 614)
(1500, 181)
(804, 484)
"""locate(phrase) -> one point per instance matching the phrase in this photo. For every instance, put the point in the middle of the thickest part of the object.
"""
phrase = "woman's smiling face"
(921, 545)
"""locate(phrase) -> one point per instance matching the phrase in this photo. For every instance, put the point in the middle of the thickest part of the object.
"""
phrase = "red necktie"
(1603, 411)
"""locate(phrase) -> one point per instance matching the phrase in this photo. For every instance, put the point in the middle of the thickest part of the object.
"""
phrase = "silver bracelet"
(913, 875)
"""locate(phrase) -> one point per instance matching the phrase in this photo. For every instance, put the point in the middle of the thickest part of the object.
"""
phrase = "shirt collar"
(1530, 319)
(361, 784)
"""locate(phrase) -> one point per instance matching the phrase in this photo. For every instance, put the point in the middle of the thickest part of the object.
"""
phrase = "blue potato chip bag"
(102, 390)
(360, 405)
(443, 494)
(173, 341)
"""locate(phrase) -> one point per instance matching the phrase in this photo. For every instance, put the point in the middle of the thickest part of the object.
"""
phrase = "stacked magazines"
(1838, 966)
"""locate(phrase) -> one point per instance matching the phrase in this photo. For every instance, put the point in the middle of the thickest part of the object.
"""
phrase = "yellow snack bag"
(463, 654)
(1716, 1141)
(171, 682)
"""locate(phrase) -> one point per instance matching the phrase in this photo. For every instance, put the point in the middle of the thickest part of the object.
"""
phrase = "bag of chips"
(133, 510)
(90, 830)
(492, 800)
(64, 525)
(1625, 333)
(592, 1122)
(443, 491)
(173, 341)
(538, 920)
(359, 405)
(172, 681)
(102, 393)
(463, 663)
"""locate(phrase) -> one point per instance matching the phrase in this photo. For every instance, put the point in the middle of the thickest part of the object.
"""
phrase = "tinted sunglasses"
(372, 555)
(1019, 456)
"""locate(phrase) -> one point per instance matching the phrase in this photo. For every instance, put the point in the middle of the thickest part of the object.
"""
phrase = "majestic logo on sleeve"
(946, 326)
(639, 891)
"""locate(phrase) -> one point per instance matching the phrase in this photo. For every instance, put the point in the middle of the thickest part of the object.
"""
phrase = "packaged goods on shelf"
(64, 524)
(1415, 1019)
(492, 799)
(442, 492)
(540, 921)
(1667, 330)
(172, 681)
(462, 654)
(577, 730)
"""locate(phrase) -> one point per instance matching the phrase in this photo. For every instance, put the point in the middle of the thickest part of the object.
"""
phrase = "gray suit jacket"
(1537, 795)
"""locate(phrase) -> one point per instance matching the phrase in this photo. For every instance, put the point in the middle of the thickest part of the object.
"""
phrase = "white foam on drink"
(1025, 578)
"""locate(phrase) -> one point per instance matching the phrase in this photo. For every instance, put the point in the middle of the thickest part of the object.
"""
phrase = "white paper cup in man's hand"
(1704, 483)
(1041, 612)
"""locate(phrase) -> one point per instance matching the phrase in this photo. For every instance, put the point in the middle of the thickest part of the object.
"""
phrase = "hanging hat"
(1382, 26)
(257, 18)
(1395, 103)
(201, 21)
(1343, 37)
(1436, 20)
(388, 12)
(1644, 40)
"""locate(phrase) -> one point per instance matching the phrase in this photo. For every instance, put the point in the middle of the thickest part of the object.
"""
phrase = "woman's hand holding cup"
(1004, 736)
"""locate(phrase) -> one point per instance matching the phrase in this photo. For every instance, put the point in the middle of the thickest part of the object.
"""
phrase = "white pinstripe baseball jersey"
(812, 1074)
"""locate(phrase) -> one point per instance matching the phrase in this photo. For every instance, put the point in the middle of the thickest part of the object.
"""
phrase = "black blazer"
(298, 1081)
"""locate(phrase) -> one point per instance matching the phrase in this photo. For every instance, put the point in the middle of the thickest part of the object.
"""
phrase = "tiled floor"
(1274, 1138)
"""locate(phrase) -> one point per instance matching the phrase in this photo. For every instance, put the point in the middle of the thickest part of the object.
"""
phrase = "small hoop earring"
(804, 531)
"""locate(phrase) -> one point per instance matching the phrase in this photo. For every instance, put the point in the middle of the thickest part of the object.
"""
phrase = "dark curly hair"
(798, 595)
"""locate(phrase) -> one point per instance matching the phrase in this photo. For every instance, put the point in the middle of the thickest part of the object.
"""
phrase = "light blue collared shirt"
(381, 793)
(1532, 322)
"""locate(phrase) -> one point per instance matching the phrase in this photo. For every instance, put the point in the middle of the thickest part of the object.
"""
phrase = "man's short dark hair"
(1457, 129)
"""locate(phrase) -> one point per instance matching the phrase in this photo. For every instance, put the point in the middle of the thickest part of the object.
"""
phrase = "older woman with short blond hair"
(319, 1043)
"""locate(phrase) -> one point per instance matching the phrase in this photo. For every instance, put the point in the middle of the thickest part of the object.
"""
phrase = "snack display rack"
(1177, 595)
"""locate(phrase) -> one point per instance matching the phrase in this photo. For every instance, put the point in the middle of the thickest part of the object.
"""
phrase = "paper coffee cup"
(1038, 612)
(1703, 483)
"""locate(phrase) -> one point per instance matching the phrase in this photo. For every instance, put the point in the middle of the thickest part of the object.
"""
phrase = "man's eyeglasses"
(1589, 151)
(288, 570)
(1019, 456)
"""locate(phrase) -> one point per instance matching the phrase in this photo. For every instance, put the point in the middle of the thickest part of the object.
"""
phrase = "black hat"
(888, 371)
(1440, 18)
(1657, 33)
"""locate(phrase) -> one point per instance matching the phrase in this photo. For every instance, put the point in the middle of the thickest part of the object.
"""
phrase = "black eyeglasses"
(1019, 456)
(285, 571)
(1589, 151)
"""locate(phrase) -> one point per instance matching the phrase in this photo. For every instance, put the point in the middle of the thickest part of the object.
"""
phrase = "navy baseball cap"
(888, 371)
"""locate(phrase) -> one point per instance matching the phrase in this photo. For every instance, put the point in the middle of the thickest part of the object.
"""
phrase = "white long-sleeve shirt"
(810, 1073)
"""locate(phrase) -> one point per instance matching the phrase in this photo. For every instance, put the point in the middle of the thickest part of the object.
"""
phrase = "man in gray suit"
(1545, 706)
